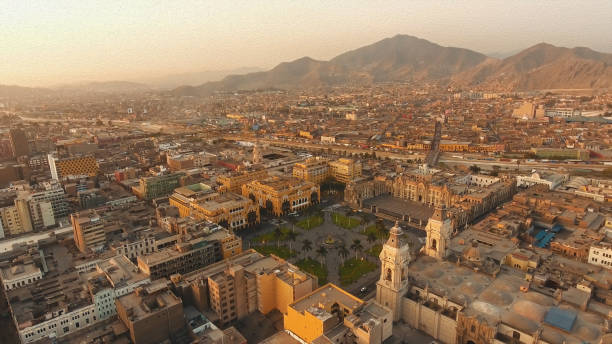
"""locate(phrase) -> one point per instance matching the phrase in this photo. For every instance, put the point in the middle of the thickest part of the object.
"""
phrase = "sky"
(46, 42)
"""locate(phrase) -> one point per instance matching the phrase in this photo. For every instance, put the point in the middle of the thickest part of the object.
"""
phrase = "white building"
(552, 180)
(20, 275)
(601, 254)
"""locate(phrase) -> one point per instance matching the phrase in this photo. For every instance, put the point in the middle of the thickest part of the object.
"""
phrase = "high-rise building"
(75, 166)
(88, 230)
(19, 143)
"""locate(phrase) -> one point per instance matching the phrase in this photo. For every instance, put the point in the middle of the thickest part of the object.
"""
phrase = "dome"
(472, 253)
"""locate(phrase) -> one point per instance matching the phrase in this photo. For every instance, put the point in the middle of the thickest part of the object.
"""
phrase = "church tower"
(257, 157)
(393, 283)
(439, 229)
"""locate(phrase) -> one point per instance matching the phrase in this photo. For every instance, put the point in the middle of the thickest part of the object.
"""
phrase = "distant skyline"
(56, 42)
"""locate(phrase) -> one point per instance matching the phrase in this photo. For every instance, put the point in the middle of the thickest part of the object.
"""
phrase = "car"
(363, 290)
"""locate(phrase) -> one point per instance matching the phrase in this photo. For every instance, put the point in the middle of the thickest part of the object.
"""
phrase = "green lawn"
(380, 234)
(353, 268)
(281, 251)
(314, 267)
(374, 251)
(311, 222)
(270, 237)
(344, 221)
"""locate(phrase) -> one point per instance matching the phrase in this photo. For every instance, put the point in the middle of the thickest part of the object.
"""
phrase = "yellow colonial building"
(314, 170)
(233, 182)
(229, 209)
(282, 195)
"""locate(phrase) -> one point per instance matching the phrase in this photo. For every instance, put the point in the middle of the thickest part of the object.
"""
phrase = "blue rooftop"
(560, 318)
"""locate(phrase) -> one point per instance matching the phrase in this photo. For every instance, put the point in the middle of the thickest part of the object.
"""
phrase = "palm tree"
(343, 252)
(291, 236)
(356, 246)
(321, 252)
(371, 238)
(306, 246)
(278, 233)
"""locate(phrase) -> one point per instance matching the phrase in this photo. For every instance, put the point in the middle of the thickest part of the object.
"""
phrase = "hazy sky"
(54, 41)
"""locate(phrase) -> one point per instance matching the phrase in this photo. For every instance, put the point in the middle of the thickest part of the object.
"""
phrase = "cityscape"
(402, 189)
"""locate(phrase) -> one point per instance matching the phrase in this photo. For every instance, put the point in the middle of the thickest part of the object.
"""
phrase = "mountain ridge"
(405, 58)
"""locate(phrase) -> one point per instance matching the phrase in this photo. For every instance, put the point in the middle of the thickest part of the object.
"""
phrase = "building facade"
(282, 195)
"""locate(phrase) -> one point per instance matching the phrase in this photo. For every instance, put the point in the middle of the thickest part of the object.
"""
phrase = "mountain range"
(404, 58)
(401, 58)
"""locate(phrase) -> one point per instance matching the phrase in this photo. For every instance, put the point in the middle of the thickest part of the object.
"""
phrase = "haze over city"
(56, 42)
(305, 172)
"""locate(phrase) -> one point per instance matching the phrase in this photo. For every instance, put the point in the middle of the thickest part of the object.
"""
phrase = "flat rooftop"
(325, 297)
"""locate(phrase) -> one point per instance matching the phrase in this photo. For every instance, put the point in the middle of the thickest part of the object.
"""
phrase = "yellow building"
(314, 170)
(184, 196)
(345, 170)
(11, 221)
(85, 165)
(228, 209)
(329, 314)
(233, 182)
(282, 195)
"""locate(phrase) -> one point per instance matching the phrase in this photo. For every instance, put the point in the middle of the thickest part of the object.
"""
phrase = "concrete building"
(12, 223)
(229, 210)
(243, 284)
(345, 170)
(233, 182)
(152, 313)
(552, 181)
(20, 275)
(282, 195)
(314, 170)
(331, 315)
(88, 228)
(157, 186)
(75, 166)
(19, 143)
(601, 254)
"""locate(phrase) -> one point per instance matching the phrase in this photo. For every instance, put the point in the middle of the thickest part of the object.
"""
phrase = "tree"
(286, 207)
(223, 223)
(278, 233)
(321, 252)
(371, 238)
(314, 198)
(343, 252)
(474, 169)
(356, 246)
(269, 207)
(291, 236)
(251, 218)
(306, 246)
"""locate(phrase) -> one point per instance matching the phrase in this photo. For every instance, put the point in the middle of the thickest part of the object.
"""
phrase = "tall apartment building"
(345, 170)
(281, 195)
(187, 256)
(12, 223)
(158, 186)
(83, 165)
(244, 284)
(19, 143)
(88, 230)
(314, 170)
(233, 182)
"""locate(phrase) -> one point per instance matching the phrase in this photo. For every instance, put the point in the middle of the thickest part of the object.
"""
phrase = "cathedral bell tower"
(393, 283)
(439, 229)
